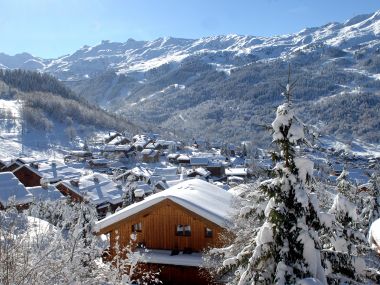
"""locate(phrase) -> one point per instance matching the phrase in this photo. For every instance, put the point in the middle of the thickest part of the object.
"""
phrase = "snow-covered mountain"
(221, 84)
(224, 51)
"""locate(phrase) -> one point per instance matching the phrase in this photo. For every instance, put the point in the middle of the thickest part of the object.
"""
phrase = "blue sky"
(50, 28)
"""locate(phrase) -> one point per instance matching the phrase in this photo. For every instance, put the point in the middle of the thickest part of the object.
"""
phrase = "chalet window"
(208, 233)
(137, 227)
(183, 230)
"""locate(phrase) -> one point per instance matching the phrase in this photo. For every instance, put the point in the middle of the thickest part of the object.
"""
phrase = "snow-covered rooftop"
(97, 188)
(12, 190)
(164, 257)
(200, 197)
(43, 194)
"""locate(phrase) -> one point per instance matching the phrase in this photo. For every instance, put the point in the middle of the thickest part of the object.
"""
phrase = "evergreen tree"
(344, 242)
(286, 247)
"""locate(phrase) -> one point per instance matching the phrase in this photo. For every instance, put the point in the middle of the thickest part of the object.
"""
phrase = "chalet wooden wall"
(67, 192)
(27, 177)
(159, 224)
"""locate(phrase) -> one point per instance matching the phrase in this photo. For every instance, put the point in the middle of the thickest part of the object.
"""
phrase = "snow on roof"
(97, 188)
(374, 235)
(199, 161)
(99, 161)
(43, 194)
(149, 152)
(12, 190)
(53, 170)
(168, 171)
(141, 171)
(164, 257)
(173, 155)
(183, 157)
(141, 185)
(57, 170)
(200, 197)
(236, 171)
(112, 148)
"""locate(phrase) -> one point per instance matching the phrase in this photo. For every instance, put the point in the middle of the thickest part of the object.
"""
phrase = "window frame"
(209, 233)
(183, 230)
(137, 227)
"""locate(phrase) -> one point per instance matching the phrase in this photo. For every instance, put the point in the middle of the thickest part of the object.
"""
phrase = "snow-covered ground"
(15, 142)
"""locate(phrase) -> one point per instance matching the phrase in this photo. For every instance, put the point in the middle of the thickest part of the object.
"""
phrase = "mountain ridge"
(221, 85)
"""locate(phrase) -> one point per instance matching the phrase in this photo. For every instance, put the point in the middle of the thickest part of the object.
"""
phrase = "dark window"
(136, 227)
(187, 230)
(208, 232)
(183, 230)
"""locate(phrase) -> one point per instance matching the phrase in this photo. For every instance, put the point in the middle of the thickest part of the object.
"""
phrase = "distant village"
(175, 198)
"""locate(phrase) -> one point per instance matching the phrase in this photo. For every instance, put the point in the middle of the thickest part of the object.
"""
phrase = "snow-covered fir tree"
(224, 262)
(285, 248)
(344, 243)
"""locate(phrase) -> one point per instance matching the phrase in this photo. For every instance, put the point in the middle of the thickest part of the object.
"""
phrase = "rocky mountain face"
(226, 86)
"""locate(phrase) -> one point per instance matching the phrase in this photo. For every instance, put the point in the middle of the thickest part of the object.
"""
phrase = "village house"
(196, 162)
(13, 192)
(99, 163)
(183, 159)
(78, 155)
(96, 188)
(16, 163)
(150, 155)
(174, 225)
(48, 171)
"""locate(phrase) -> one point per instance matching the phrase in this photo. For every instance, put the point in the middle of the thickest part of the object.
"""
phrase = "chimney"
(74, 182)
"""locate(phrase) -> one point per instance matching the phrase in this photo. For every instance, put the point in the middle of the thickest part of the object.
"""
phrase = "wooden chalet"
(16, 163)
(13, 192)
(96, 188)
(34, 174)
(174, 225)
(150, 155)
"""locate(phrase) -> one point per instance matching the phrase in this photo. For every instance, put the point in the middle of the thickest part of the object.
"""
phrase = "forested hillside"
(45, 104)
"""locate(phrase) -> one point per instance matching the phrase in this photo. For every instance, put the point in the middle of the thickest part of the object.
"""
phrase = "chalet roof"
(203, 172)
(140, 171)
(43, 194)
(119, 140)
(12, 190)
(205, 199)
(199, 160)
(99, 161)
(173, 155)
(149, 152)
(183, 157)
(112, 148)
(97, 188)
(141, 185)
(168, 171)
(53, 171)
(236, 171)
(80, 153)
(157, 256)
